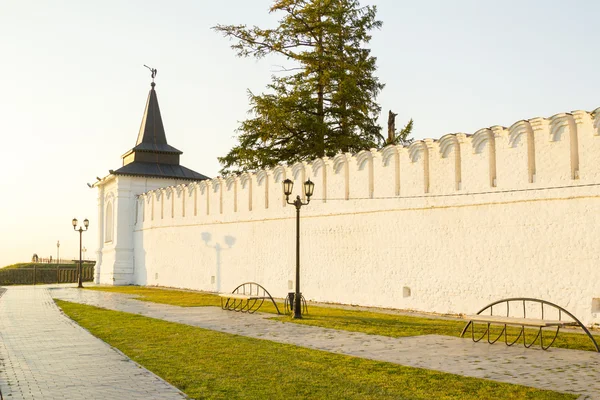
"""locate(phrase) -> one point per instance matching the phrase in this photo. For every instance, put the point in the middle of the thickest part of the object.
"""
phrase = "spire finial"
(153, 72)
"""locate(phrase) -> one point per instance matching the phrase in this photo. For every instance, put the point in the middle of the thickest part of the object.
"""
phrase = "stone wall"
(443, 225)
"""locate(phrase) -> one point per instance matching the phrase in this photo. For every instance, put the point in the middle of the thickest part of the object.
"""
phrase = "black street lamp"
(86, 223)
(57, 252)
(309, 187)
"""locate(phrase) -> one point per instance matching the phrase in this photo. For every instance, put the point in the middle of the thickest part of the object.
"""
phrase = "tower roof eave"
(159, 170)
(144, 147)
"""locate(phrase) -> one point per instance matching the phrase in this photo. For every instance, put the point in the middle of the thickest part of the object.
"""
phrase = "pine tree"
(325, 103)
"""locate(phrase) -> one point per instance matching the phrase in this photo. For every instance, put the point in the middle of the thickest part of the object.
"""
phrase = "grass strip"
(206, 364)
(370, 322)
(44, 265)
(174, 297)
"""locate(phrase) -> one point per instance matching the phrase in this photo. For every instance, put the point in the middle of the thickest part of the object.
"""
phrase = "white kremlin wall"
(445, 225)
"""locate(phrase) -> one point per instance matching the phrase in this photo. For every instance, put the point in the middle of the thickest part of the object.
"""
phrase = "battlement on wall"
(560, 151)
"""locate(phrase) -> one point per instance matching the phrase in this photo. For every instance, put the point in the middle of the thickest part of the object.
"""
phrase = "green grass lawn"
(350, 320)
(212, 365)
(174, 297)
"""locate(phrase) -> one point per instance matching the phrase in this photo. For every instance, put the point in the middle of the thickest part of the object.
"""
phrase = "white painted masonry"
(444, 225)
(115, 257)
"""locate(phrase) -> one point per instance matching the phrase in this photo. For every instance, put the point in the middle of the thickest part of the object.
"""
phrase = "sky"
(73, 87)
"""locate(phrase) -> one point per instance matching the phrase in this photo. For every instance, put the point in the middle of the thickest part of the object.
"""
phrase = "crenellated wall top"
(554, 129)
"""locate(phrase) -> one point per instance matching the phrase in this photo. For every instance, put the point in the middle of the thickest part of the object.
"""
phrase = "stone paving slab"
(561, 370)
(45, 355)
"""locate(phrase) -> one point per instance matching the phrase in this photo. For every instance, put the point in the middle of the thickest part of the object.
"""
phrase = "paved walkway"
(44, 355)
(556, 369)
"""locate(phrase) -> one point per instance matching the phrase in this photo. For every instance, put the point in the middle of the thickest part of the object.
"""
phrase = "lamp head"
(288, 185)
(309, 188)
(74, 222)
(86, 223)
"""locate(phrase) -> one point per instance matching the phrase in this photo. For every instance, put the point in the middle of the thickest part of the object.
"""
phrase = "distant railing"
(33, 275)
(61, 261)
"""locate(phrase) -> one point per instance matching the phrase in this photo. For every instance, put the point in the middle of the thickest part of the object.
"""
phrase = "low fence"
(32, 276)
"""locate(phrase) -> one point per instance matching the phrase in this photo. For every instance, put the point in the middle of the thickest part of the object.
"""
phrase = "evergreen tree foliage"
(402, 137)
(323, 104)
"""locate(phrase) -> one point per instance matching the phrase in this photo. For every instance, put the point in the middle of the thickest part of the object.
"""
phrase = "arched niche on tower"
(364, 185)
(596, 121)
(449, 167)
(588, 135)
(245, 193)
(518, 162)
(416, 177)
(169, 205)
(157, 198)
(149, 206)
(320, 174)
(230, 197)
(484, 159)
(109, 218)
(179, 200)
(160, 201)
(390, 158)
(564, 145)
(339, 187)
(299, 177)
(216, 195)
(262, 184)
(280, 174)
(139, 209)
(191, 195)
(204, 190)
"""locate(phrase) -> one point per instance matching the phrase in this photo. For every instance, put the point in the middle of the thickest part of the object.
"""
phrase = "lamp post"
(86, 223)
(57, 252)
(309, 187)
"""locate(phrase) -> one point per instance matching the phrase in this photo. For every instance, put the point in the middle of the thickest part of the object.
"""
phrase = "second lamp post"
(309, 187)
(86, 223)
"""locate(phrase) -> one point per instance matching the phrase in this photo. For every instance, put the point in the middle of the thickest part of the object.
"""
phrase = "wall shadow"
(228, 241)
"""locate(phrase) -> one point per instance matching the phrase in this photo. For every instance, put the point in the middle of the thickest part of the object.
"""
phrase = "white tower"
(150, 165)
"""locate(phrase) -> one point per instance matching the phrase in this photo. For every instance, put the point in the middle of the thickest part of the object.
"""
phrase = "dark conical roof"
(152, 135)
(152, 155)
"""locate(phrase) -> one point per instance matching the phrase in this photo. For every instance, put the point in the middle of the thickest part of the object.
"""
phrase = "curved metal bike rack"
(289, 303)
(524, 301)
(251, 297)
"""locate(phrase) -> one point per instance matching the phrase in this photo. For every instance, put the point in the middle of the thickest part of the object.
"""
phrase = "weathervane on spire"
(153, 72)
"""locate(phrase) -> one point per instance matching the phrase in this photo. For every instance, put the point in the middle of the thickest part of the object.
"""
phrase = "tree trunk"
(320, 92)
